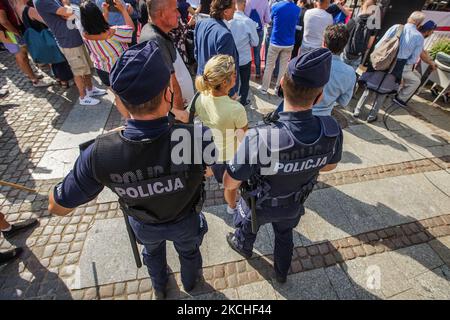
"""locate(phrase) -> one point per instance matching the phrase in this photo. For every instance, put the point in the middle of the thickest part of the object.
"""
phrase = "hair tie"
(205, 78)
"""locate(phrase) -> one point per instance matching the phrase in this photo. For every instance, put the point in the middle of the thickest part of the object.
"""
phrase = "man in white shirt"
(245, 36)
(316, 21)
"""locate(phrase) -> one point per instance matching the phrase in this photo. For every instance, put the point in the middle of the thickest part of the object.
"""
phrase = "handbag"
(41, 44)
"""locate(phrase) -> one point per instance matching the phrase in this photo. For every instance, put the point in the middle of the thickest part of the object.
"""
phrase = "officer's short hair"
(298, 95)
(146, 107)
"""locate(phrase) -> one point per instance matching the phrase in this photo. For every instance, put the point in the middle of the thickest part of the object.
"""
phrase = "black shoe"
(280, 279)
(401, 103)
(372, 119)
(192, 287)
(10, 255)
(19, 227)
(159, 295)
(3, 93)
(434, 92)
(232, 242)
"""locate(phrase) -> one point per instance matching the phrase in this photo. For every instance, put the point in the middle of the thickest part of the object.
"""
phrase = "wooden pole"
(16, 186)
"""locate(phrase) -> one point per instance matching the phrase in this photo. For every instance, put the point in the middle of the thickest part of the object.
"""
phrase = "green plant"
(440, 46)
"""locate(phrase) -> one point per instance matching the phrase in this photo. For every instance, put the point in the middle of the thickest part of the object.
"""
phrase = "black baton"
(133, 242)
(253, 216)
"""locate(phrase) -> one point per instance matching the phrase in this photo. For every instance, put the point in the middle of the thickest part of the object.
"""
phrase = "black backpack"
(359, 37)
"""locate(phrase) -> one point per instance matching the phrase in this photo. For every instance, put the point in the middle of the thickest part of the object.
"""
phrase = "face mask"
(171, 98)
(317, 99)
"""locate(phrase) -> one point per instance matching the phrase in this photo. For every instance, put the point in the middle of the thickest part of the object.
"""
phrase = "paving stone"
(57, 261)
(313, 250)
(230, 268)
(308, 285)
(106, 291)
(220, 284)
(307, 264)
(369, 249)
(49, 250)
(318, 261)
(132, 287)
(219, 271)
(441, 248)
(359, 251)
(257, 291)
(302, 252)
(296, 267)
(416, 260)
(62, 248)
(434, 284)
(341, 283)
(226, 294)
(145, 285)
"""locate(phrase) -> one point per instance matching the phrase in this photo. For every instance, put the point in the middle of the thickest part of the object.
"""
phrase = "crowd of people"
(95, 33)
(143, 53)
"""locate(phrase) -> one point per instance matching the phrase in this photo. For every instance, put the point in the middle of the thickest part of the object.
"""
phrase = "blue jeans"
(187, 236)
(257, 52)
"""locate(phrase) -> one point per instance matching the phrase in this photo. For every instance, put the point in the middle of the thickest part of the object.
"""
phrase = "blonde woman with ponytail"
(225, 117)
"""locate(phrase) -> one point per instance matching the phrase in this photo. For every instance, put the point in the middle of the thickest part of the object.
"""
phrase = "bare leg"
(24, 64)
(79, 81)
(3, 223)
(88, 82)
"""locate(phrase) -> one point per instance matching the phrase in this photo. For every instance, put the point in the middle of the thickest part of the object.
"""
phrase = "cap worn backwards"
(311, 69)
(428, 26)
(140, 74)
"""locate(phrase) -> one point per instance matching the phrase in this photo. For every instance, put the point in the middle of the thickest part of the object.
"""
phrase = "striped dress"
(104, 53)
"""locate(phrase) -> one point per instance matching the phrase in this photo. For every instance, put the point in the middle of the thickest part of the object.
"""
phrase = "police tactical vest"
(295, 173)
(150, 187)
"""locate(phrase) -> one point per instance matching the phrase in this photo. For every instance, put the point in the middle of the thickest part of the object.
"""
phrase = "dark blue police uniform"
(304, 145)
(161, 199)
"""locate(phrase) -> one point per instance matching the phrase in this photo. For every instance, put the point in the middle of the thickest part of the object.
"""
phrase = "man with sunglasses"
(158, 179)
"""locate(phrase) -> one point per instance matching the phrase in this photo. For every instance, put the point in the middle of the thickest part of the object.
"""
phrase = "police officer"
(300, 146)
(161, 197)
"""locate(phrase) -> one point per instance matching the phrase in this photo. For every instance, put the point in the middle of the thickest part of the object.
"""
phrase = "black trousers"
(244, 74)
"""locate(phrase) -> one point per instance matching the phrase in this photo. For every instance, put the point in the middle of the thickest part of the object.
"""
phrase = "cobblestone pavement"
(392, 190)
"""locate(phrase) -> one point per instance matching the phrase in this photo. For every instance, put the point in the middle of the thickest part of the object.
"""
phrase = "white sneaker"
(262, 90)
(89, 101)
(231, 210)
(356, 113)
(95, 92)
(41, 83)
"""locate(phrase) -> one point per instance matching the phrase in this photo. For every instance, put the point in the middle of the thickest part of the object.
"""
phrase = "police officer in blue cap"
(299, 146)
(160, 193)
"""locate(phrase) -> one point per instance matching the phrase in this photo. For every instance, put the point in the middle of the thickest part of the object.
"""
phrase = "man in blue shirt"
(410, 49)
(160, 194)
(339, 90)
(212, 36)
(245, 36)
(284, 16)
(411, 46)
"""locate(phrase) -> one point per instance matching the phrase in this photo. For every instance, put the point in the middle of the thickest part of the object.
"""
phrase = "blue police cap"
(311, 69)
(428, 26)
(140, 74)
